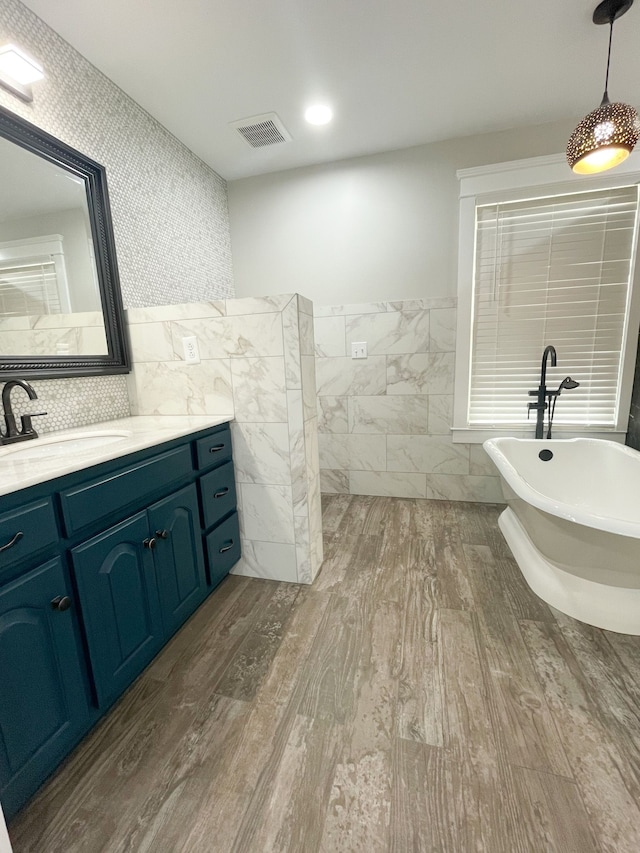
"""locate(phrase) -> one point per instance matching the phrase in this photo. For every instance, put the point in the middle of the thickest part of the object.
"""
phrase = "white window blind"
(551, 271)
(29, 286)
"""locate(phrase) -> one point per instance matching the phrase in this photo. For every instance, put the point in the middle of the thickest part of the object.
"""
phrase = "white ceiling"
(397, 73)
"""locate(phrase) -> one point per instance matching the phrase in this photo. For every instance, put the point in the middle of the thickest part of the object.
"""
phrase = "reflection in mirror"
(60, 307)
(49, 296)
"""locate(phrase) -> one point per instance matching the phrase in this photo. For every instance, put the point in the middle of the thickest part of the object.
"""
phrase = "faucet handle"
(27, 426)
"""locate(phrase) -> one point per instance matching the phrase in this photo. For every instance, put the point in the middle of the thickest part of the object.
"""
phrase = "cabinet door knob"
(150, 544)
(226, 547)
(162, 534)
(222, 492)
(216, 448)
(61, 602)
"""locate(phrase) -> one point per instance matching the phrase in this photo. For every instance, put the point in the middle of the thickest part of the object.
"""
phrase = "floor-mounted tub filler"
(573, 524)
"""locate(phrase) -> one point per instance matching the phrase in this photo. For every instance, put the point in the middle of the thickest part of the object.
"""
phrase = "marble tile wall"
(257, 366)
(384, 421)
(58, 334)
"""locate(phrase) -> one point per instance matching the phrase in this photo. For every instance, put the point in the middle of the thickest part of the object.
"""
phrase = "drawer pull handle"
(15, 539)
(216, 448)
(61, 603)
(222, 492)
(162, 534)
(226, 548)
(150, 544)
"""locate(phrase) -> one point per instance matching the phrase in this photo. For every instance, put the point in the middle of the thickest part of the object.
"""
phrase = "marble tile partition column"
(384, 421)
(257, 366)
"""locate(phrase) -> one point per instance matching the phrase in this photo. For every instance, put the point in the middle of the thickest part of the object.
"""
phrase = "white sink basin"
(62, 445)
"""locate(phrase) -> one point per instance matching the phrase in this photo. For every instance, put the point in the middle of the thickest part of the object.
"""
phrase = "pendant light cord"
(605, 97)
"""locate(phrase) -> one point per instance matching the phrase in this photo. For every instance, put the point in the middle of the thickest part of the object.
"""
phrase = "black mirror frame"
(118, 359)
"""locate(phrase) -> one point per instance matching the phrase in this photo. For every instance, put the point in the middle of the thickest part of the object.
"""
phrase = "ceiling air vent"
(262, 130)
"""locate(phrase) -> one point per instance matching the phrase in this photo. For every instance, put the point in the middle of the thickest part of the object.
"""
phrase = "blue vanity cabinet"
(138, 582)
(43, 701)
(174, 524)
(98, 569)
(118, 592)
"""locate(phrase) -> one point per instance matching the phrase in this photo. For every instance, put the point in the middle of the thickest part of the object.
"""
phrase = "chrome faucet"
(12, 432)
(543, 395)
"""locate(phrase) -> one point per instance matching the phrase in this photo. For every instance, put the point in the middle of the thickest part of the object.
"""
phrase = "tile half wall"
(257, 366)
(384, 421)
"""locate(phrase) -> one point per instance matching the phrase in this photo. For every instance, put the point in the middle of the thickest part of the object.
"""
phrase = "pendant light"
(605, 137)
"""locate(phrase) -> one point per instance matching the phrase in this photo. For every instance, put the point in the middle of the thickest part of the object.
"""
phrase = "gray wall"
(370, 229)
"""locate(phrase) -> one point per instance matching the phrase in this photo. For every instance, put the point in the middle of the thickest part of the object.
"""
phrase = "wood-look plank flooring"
(418, 697)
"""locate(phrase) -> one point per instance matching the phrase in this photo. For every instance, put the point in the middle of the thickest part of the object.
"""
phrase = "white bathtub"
(573, 525)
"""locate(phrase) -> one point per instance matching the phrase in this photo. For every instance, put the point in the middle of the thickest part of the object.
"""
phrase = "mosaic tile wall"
(257, 364)
(384, 421)
(74, 403)
(169, 209)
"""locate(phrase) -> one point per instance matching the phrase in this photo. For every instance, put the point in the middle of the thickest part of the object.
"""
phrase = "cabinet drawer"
(214, 449)
(26, 530)
(223, 548)
(127, 488)
(218, 490)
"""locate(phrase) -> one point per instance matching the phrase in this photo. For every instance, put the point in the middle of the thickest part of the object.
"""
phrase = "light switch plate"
(358, 349)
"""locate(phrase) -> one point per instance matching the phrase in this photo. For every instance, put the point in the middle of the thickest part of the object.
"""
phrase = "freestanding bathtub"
(573, 524)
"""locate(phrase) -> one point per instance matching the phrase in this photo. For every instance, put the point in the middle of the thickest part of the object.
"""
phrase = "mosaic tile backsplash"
(169, 209)
(74, 403)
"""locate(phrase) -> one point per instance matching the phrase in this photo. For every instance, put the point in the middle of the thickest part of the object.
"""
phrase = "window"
(548, 266)
(33, 277)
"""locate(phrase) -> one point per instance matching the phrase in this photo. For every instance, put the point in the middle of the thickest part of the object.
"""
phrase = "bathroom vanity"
(110, 537)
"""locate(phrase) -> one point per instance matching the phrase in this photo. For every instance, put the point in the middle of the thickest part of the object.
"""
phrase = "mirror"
(60, 304)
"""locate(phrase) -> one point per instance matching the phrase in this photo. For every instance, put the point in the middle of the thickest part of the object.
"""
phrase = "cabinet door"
(182, 584)
(119, 602)
(43, 702)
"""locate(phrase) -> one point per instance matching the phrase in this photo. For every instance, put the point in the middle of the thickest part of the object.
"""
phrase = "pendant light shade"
(606, 136)
(603, 139)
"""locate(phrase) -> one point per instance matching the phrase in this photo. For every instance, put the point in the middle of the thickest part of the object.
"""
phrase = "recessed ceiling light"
(319, 114)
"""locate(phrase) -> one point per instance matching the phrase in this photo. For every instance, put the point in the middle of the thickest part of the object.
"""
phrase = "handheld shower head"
(568, 383)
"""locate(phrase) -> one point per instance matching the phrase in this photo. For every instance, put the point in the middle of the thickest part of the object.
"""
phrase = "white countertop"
(134, 433)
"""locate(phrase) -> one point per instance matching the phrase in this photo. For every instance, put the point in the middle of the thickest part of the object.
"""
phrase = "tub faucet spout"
(540, 406)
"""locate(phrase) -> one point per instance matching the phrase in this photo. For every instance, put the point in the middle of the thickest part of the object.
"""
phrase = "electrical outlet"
(358, 349)
(191, 351)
